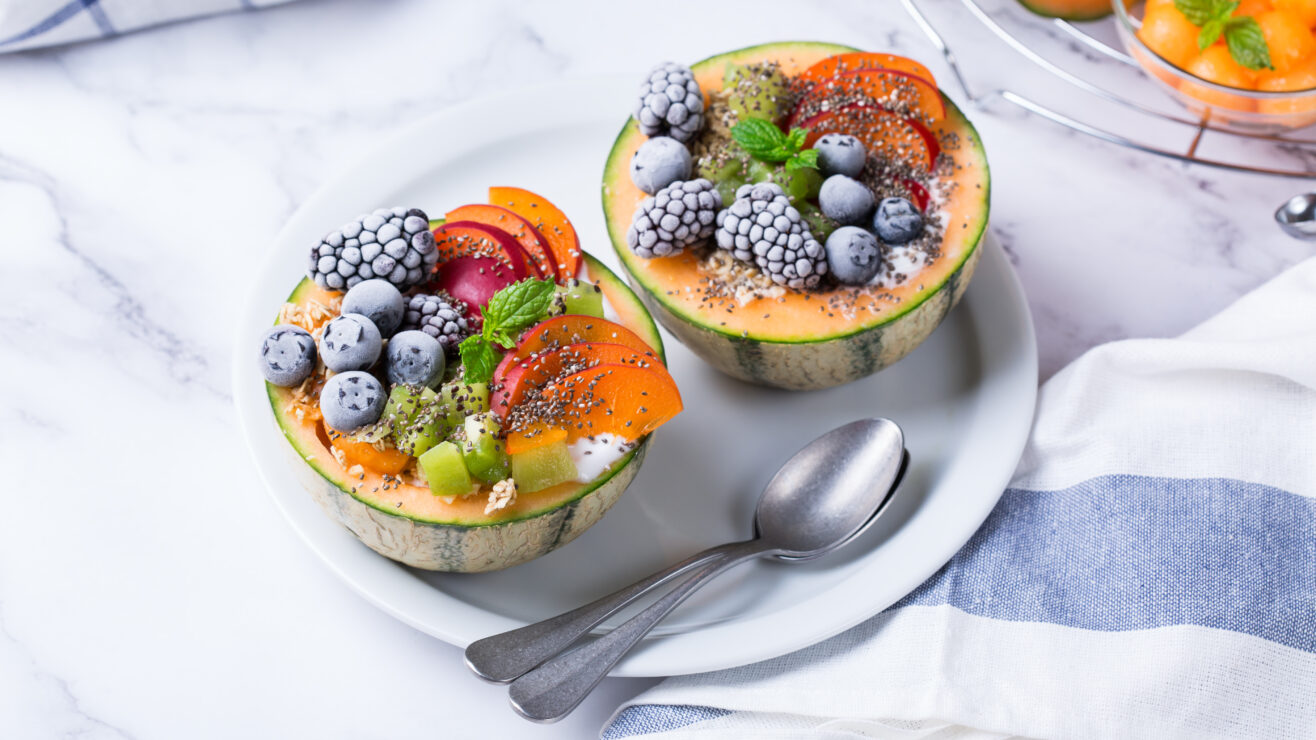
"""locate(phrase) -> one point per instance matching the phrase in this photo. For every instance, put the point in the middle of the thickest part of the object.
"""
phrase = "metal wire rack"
(1193, 129)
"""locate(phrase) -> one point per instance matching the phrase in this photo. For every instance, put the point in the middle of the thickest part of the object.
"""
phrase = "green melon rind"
(469, 546)
(1103, 10)
(814, 363)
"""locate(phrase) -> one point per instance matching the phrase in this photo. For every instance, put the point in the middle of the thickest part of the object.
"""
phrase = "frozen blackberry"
(391, 243)
(678, 216)
(762, 227)
(438, 317)
(670, 103)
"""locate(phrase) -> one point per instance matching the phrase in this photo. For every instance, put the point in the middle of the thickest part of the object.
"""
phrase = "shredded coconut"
(502, 496)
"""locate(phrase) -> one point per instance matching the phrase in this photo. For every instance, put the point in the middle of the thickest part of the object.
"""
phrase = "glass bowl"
(1227, 107)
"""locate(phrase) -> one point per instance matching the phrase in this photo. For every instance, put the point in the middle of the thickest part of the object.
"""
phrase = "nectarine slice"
(864, 60)
(899, 92)
(511, 385)
(883, 133)
(456, 239)
(562, 331)
(551, 222)
(511, 223)
(623, 400)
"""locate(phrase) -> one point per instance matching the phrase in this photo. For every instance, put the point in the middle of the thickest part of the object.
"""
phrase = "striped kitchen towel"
(27, 24)
(1150, 573)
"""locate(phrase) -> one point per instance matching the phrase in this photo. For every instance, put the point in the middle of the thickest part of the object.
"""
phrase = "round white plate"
(964, 398)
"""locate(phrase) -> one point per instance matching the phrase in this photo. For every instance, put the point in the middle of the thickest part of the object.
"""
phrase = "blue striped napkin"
(1150, 573)
(27, 24)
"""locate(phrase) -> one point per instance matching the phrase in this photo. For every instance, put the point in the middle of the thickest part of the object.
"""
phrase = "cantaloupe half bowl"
(411, 525)
(795, 341)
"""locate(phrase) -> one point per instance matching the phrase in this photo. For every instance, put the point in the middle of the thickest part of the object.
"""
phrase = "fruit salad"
(1255, 45)
(440, 363)
(796, 193)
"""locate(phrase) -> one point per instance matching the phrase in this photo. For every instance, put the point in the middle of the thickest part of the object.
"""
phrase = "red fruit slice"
(900, 92)
(525, 234)
(842, 63)
(470, 239)
(917, 193)
(561, 331)
(883, 133)
(551, 222)
(474, 280)
(511, 383)
(624, 400)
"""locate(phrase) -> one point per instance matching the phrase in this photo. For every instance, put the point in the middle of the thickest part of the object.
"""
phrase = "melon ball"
(1303, 10)
(1168, 33)
(1289, 39)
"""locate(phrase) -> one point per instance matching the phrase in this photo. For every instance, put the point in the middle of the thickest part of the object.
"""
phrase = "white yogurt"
(898, 266)
(593, 457)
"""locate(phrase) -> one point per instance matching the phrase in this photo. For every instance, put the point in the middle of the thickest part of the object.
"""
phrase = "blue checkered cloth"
(28, 24)
(1150, 572)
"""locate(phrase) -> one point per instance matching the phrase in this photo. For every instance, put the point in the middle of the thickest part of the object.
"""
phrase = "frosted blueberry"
(414, 358)
(659, 162)
(287, 355)
(352, 400)
(853, 255)
(350, 342)
(845, 200)
(840, 154)
(378, 300)
(897, 221)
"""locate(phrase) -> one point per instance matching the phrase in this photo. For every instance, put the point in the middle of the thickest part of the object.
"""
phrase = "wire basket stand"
(1194, 129)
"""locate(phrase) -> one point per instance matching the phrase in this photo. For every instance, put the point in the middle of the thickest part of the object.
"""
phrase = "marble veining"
(147, 587)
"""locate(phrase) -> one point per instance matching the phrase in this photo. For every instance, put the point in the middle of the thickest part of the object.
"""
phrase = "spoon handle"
(549, 692)
(503, 657)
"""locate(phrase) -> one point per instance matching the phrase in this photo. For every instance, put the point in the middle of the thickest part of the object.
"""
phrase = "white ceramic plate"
(964, 398)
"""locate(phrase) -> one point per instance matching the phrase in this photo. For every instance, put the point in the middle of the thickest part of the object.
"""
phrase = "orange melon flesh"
(799, 316)
(417, 502)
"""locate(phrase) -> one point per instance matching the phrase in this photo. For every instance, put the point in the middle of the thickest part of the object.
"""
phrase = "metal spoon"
(823, 497)
(1298, 216)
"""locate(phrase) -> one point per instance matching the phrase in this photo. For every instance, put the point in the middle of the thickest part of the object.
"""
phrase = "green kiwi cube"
(445, 470)
(543, 466)
(581, 298)
(483, 451)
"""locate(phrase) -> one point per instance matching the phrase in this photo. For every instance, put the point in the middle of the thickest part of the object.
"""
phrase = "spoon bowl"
(823, 497)
(828, 492)
(1298, 216)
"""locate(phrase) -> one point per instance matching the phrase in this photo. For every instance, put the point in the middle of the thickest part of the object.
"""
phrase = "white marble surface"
(148, 589)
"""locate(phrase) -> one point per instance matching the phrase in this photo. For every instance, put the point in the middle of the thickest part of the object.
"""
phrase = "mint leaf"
(517, 306)
(1210, 32)
(1198, 12)
(801, 160)
(1247, 44)
(502, 337)
(795, 139)
(758, 137)
(479, 358)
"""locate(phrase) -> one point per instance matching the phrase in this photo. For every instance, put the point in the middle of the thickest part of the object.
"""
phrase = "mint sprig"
(767, 143)
(1247, 44)
(508, 312)
(1243, 36)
